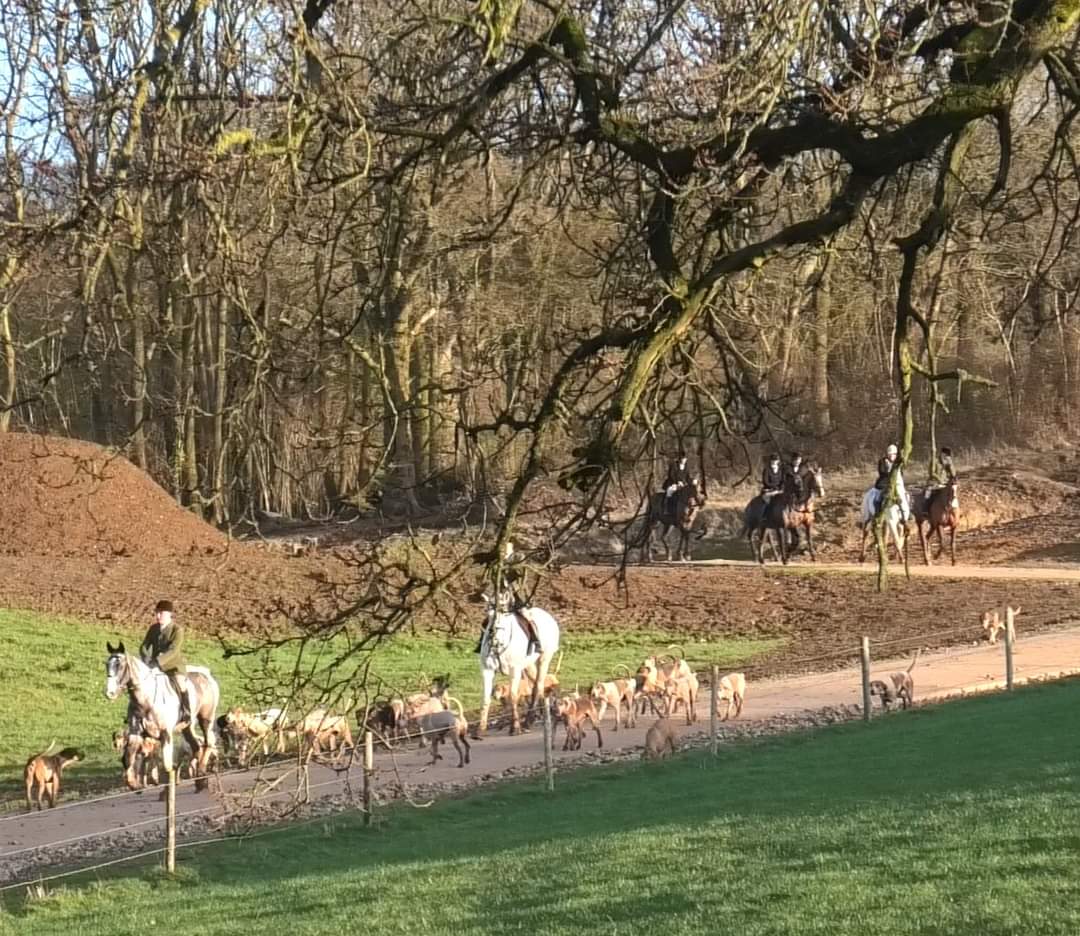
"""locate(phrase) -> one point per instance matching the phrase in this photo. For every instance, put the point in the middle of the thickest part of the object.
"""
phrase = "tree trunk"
(819, 393)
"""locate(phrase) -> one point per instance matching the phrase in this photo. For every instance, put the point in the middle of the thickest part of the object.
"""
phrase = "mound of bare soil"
(61, 497)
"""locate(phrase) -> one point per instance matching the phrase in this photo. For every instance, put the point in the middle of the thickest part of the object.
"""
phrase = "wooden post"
(170, 824)
(714, 696)
(549, 760)
(866, 678)
(1010, 637)
(369, 773)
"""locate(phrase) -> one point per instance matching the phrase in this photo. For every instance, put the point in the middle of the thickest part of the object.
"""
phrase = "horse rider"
(884, 471)
(678, 477)
(513, 574)
(161, 648)
(772, 479)
(794, 483)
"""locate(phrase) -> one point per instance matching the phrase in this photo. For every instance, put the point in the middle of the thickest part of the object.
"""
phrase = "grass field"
(52, 681)
(956, 819)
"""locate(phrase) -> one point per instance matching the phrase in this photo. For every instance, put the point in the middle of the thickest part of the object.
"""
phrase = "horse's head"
(817, 480)
(952, 493)
(117, 674)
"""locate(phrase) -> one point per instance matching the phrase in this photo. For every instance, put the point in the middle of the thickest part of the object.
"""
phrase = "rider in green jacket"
(161, 648)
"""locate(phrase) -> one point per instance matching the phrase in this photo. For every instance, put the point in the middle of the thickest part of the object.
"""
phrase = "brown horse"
(679, 512)
(940, 509)
(783, 513)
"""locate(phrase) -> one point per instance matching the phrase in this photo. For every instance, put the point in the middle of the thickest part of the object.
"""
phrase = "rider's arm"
(146, 650)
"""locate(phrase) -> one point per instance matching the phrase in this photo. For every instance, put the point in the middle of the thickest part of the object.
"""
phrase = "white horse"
(158, 705)
(504, 649)
(896, 518)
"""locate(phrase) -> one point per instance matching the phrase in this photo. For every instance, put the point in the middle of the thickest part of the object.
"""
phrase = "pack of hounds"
(663, 685)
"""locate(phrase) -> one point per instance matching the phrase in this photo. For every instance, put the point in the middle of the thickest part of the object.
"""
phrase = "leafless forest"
(293, 258)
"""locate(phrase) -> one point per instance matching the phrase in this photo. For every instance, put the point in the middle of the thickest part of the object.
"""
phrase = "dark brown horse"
(679, 511)
(785, 512)
(941, 509)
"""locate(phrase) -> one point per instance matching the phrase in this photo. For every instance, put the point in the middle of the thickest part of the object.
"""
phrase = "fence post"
(369, 771)
(549, 765)
(170, 823)
(1010, 636)
(866, 678)
(714, 696)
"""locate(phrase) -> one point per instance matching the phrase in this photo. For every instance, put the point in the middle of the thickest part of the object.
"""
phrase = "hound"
(42, 775)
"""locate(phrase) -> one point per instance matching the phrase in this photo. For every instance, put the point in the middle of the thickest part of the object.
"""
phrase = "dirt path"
(1041, 573)
(937, 675)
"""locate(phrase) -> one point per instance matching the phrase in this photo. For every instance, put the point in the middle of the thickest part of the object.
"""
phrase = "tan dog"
(574, 711)
(682, 691)
(501, 693)
(141, 757)
(660, 740)
(321, 729)
(652, 677)
(256, 727)
(904, 684)
(42, 775)
(615, 693)
(993, 625)
(884, 691)
(441, 724)
(732, 692)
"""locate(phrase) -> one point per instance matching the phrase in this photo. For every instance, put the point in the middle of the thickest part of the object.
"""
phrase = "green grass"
(952, 820)
(52, 681)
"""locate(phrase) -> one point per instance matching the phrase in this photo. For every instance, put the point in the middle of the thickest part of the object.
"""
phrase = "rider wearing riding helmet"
(513, 575)
(772, 478)
(884, 471)
(161, 648)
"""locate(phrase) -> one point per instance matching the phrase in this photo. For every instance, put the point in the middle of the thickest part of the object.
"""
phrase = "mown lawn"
(52, 680)
(954, 820)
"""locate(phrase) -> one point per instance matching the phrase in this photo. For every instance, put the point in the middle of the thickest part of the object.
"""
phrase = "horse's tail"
(914, 659)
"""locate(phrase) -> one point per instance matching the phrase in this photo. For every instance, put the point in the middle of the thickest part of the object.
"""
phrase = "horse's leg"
(515, 687)
(646, 543)
(781, 534)
(663, 539)
(794, 541)
(810, 541)
(541, 678)
(952, 543)
(940, 540)
(923, 543)
(862, 546)
(488, 678)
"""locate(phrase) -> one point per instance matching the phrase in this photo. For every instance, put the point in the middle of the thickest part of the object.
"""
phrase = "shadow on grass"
(947, 799)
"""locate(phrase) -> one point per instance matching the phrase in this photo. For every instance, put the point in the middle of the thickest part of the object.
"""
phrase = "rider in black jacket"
(772, 478)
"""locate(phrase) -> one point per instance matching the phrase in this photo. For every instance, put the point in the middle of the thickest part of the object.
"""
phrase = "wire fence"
(399, 772)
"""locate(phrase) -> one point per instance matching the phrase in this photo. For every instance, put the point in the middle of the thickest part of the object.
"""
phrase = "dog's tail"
(558, 663)
(914, 659)
(45, 753)
(451, 701)
(615, 674)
